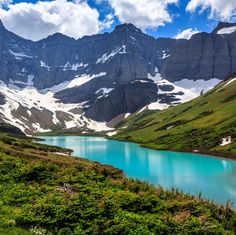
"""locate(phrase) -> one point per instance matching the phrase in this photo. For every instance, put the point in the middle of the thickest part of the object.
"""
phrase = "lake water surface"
(215, 178)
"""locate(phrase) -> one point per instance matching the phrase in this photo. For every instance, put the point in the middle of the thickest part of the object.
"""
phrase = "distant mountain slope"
(207, 123)
(6, 128)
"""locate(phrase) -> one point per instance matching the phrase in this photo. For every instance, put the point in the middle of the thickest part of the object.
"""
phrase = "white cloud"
(107, 22)
(221, 9)
(36, 21)
(186, 34)
(143, 13)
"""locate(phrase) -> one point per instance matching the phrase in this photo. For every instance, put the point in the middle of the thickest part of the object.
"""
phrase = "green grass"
(45, 193)
(14, 231)
(197, 125)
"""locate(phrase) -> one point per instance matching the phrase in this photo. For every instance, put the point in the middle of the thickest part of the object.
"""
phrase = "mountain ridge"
(222, 25)
(102, 76)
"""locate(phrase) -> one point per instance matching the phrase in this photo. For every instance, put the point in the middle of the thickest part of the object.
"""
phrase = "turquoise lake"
(215, 178)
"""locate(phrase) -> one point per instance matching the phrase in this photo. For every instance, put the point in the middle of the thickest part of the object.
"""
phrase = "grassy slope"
(54, 194)
(199, 124)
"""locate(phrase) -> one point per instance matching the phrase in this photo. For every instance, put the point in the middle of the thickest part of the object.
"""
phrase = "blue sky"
(76, 18)
(183, 20)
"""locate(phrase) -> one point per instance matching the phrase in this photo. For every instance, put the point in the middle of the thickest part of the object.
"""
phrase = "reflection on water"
(193, 173)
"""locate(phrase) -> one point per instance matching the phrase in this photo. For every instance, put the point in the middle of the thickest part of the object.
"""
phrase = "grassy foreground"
(199, 125)
(44, 193)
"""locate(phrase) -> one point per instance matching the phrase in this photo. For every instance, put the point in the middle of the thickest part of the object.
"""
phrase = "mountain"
(205, 124)
(204, 56)
(60, 82)
(224, 28)
(7, 128)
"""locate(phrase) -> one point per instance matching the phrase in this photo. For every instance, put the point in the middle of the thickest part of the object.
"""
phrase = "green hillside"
(199, 125)
(42, 192)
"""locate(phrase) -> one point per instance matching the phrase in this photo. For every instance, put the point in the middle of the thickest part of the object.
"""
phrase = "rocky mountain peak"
(127, 28)
(59, 37)
(222, 25)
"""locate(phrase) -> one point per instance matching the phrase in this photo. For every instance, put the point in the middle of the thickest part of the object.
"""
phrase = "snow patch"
(141, 110)
(187, 95)
(73, 67)
(44, 65)
(29, 113)
(226, 141)
(37, 128)
(103, 92)
(105, 57)
(111, 133)
(6, 111)
(156, 77)
(227, 30)
(99, 126)
(232, 80)
(127, 115)
(70, 124)
(123, 50)
(157, 106)
(77, 81)
(20, 55)
(198, 86)
(142, 81)
(165, 55)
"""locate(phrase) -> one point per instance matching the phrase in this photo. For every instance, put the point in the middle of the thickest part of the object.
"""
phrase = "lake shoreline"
(221, 155)
(122, 165)
(198, 152)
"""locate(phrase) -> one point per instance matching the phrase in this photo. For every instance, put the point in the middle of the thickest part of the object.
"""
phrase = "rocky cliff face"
(204, 56)
(127, 98)
(102, 76)
(125, 54)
